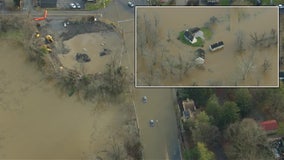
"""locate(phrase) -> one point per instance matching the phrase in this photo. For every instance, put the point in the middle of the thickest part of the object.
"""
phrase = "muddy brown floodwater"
(38, 122)
(223, 67)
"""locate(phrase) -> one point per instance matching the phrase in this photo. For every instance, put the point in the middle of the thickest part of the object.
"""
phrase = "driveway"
(161, 141)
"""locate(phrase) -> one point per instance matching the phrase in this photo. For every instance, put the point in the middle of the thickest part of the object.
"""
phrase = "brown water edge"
(222, 67)
(37, 122)
(92, 44)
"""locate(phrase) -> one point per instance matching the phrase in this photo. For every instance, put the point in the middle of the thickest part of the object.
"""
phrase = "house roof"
(188, 104)
(188, 35)
(194, 30)
(269, 125)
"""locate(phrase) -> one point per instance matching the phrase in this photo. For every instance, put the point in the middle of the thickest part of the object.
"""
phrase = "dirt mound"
(75, 28)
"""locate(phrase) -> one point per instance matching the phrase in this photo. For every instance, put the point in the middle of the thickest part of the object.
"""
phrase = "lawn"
(99, 4)
(199, 42)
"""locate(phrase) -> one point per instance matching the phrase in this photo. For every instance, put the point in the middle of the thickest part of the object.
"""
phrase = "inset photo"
(185, 46)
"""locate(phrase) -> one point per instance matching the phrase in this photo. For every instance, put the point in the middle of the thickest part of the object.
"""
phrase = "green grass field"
(95, 6)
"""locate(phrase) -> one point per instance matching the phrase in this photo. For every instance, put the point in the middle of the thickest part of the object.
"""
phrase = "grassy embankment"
(97, 5)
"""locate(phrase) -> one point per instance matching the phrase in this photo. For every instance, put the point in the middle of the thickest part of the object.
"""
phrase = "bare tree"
(247, 65)
(254, 38)
(240, 42)
(266, 66)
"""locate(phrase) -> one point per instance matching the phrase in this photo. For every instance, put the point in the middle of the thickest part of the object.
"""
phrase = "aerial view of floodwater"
(248, 57)
(40, 122)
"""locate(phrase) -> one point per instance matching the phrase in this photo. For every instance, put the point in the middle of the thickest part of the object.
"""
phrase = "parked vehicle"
(78, 5)
(72, 5)
(130, 4)
(144, 99)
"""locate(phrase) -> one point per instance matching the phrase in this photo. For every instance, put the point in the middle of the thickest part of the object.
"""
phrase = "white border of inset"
(158, 7)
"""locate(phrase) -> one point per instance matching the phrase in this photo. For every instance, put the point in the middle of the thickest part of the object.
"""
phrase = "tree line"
(225, 118)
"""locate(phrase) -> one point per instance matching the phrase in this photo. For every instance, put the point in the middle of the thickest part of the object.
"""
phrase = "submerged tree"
(266, 66)
(247, 65)
(240, 42)
(116, 78)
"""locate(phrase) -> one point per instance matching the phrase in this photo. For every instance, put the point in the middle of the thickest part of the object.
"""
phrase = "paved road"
(160, 142)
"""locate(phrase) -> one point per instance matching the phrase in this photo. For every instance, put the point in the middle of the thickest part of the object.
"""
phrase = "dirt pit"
(92, 44)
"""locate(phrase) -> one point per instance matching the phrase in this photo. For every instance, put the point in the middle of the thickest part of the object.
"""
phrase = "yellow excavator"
(47, 48)
(49, 39)
(37, 35)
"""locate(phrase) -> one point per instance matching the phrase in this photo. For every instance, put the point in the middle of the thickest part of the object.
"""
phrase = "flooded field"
(167, 61)
(92, 44)
(38, 122)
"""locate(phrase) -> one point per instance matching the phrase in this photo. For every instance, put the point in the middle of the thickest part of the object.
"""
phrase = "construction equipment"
(49, 39)
(47, 48)
(37, 35)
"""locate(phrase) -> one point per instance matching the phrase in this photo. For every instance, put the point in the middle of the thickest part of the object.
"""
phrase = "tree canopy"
(243, 98)
(224, 115)
(200, 152)
(203, 131)
(230, 114)
(247, 141)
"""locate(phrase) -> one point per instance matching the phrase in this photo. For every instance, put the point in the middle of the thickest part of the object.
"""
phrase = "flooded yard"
(39, 122)
(249, 56)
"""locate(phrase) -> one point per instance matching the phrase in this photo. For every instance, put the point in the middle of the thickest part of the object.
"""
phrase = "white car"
(130, 4)
(72, 5)
(77, 5)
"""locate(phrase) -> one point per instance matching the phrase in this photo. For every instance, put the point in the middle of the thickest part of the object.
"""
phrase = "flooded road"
(161, 141)
(224, 67)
